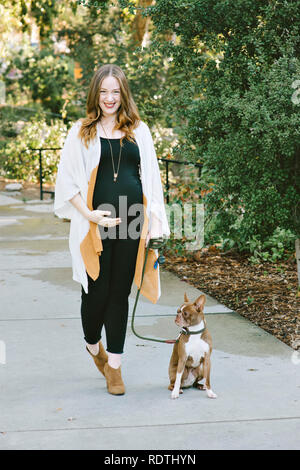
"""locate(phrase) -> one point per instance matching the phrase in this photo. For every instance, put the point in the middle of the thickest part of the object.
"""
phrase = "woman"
(108, 172)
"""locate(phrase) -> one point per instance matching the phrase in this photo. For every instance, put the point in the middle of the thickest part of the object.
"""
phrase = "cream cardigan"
(77, 171)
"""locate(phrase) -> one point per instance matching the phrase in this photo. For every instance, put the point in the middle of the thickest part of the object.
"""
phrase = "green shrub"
(19, 162)
(234, 102)
(276, 247)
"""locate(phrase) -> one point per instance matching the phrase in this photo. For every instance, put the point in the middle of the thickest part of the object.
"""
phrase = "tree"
(111, 34)
(240, 60)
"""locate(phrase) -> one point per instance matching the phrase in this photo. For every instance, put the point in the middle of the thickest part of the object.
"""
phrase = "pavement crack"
(158, 425)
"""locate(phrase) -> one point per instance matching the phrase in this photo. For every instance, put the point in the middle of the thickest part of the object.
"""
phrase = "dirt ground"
(266, 294)
(29, 191)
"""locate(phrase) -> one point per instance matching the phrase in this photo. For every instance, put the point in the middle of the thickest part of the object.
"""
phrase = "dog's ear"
(200, 301)
(185, 298)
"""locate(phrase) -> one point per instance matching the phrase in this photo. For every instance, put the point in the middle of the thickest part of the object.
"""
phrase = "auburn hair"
(128, 116)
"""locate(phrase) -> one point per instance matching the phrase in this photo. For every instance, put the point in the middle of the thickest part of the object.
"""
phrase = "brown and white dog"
(190, 360)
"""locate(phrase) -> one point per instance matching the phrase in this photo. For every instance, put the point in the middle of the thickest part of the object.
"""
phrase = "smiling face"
(110, 96)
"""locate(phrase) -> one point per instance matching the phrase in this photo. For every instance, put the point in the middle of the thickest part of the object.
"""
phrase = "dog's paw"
(171, 387)
(200, 386)
(211, 394)
(175, 394)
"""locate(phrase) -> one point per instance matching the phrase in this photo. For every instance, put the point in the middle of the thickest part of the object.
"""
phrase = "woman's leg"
(123, 264)
(93, 304)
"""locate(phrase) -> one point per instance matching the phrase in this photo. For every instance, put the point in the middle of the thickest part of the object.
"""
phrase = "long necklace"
(112, 159)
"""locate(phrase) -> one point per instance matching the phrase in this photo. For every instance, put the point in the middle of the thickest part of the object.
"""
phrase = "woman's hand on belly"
(100, 218)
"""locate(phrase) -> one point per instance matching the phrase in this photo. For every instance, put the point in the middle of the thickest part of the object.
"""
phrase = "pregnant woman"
(108, 184)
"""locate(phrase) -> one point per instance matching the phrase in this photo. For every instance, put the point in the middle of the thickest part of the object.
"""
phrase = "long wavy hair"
(128, 116)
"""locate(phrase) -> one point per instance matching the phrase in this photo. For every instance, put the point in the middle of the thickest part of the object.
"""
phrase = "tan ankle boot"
(114, 381)
(100, 359)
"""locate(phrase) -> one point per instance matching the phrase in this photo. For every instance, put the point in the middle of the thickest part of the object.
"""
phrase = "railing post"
(200, 170)
(41, 175)
(167, 181)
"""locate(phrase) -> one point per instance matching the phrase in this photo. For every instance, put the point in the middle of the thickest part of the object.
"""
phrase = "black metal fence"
(166, 162)
(41, 176)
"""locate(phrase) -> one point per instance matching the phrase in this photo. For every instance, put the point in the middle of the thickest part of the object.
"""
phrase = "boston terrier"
(190, 360)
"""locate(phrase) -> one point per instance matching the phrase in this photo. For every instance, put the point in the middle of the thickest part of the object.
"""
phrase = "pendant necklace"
(112, 159)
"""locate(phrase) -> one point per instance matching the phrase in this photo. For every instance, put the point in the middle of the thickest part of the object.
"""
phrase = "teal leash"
(154, 243)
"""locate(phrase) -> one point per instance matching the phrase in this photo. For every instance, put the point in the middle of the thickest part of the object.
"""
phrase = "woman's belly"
(124, 201)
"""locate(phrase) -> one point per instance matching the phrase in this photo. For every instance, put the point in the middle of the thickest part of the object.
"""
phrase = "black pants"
(106, 302)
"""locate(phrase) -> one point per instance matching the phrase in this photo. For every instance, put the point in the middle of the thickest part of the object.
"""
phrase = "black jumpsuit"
(106, 302)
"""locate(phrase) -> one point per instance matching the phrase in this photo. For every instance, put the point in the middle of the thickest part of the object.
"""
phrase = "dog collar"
(186, 331)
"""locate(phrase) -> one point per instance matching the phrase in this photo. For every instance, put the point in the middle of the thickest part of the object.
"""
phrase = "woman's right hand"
(99, 217)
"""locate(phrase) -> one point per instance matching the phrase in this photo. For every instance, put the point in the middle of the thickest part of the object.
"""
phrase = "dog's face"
(190, 313)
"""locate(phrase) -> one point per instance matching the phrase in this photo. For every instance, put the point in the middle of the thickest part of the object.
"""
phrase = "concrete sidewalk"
(53, 397)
